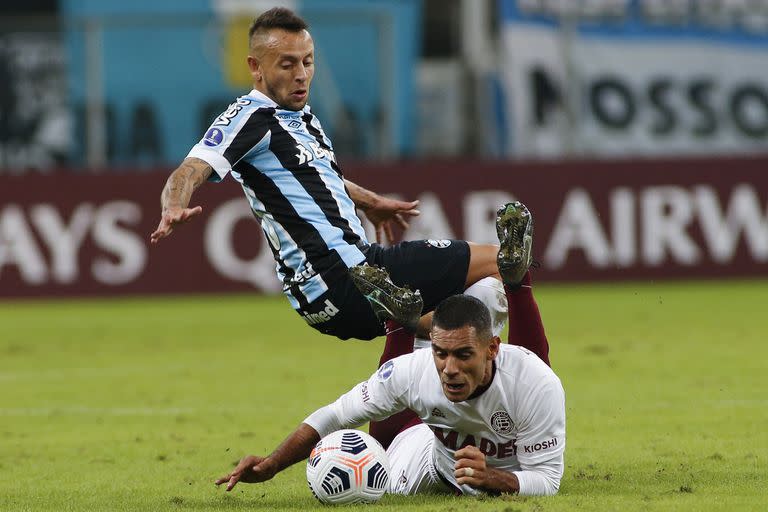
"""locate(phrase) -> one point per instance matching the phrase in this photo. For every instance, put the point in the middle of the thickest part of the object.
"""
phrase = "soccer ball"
(348, 466)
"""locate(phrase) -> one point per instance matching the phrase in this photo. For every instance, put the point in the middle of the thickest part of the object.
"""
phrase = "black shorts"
(437, 268)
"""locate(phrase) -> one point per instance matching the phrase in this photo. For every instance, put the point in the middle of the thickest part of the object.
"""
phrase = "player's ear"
(255, 68)
(493, 347)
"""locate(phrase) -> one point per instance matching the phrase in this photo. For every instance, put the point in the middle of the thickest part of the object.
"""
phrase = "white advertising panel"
(629, 83)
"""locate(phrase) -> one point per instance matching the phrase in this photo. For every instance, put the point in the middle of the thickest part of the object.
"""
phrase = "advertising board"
(77, 234)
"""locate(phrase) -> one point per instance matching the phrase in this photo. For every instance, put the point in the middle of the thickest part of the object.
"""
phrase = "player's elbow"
(551, 487)
(545, 487)
(536, 483)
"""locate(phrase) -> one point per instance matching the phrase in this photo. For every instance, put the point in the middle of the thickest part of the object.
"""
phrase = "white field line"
(88, 373)
(82, 410)
(77, 410)
(700, 404)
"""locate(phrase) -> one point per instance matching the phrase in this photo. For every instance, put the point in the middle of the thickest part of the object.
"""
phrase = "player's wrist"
(368, 203)
(270, 466)
(171, 208)
(501, 481)
(366, 200)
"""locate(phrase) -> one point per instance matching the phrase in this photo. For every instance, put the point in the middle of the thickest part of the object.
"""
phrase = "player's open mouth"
(300, 94)
(453, 387)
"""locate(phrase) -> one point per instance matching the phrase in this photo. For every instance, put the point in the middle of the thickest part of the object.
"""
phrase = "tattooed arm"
(176, 195)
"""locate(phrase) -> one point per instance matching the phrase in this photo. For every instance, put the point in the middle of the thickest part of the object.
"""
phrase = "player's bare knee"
(424, 326)
(482, 263)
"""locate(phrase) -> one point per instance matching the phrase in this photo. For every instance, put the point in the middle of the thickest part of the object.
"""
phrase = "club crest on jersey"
(501, 423)
(439, 244)
(385, 371)
(213, 137)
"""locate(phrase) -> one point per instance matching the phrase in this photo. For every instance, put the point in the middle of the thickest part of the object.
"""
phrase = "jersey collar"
(263, 97)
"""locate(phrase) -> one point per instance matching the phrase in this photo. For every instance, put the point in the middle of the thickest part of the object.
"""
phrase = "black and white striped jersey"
(287, 168)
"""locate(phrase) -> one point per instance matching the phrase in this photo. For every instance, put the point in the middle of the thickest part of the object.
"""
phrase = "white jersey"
(518, 422)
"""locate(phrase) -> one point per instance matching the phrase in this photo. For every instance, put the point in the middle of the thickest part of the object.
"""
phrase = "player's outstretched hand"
(251, 469)
(470, 468)
(387, 211)
(171, 218)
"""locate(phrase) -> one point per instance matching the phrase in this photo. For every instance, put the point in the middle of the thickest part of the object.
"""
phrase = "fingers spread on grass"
(223, 479)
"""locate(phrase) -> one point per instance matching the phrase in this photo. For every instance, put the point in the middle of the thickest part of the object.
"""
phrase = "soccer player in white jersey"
(493, 415)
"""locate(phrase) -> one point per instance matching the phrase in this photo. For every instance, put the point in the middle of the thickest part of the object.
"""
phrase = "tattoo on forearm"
(174, 190)
(183, 182)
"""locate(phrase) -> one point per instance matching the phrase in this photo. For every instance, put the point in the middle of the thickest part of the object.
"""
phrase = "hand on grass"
(251, 469)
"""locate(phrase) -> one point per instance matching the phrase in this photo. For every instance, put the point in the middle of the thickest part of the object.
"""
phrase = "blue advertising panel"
(166, 69)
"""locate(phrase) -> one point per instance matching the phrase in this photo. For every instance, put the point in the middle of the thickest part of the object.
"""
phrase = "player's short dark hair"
(460, 311)
(277, 17)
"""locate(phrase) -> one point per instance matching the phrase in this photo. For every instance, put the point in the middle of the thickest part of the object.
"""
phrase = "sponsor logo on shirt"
(364, 392)
(213, 137)
(439, 244)
(304, 155)
(450, 439)
(315, 150)
(540, 446)
(437, 412)
(326, 314)
(501, 423)
(226, 117)
(303, 275)
(385, 371)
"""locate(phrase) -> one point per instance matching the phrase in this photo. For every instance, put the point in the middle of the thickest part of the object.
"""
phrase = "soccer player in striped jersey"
(273, 145)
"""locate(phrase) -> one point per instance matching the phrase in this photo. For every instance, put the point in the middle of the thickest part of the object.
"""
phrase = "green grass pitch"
(138, 404)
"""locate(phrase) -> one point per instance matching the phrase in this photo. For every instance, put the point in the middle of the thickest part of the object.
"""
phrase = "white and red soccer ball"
(348, 466)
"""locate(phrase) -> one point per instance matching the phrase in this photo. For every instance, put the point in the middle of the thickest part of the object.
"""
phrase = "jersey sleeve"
(239, 130)
(541, 440)
(381, 396)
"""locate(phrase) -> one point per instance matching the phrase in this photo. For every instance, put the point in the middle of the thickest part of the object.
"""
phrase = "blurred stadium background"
(635, 130)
